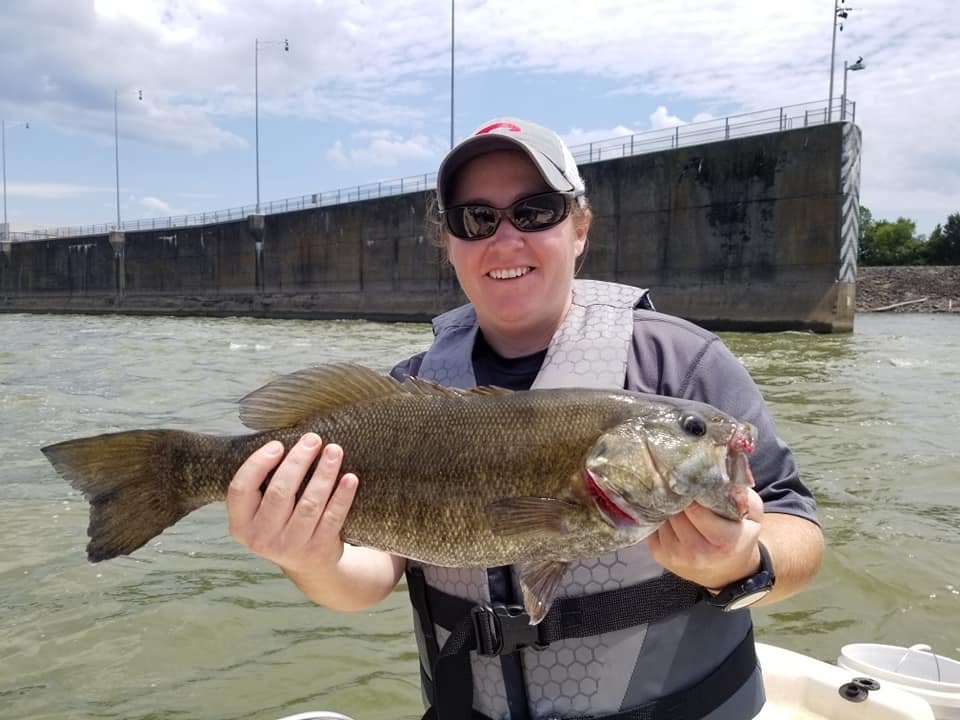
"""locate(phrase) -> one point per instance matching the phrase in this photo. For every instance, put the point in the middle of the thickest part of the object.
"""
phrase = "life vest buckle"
(502, 629)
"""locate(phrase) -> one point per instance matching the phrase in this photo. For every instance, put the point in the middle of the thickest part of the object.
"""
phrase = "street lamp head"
(858, 65)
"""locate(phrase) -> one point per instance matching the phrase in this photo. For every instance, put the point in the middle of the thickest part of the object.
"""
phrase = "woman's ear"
(581, 230)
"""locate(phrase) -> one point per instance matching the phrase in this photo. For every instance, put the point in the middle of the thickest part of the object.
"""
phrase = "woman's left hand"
(708, 549)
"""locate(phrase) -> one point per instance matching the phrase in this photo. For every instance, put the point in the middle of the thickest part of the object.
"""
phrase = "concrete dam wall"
(758, 233)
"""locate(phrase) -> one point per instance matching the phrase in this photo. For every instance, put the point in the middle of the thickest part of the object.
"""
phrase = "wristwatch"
(745, 592)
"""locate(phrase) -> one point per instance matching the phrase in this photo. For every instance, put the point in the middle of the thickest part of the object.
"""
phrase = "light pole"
(452, 2)
(840, 12)
(858, 65)
(3, 157)
(257, 44)
(116, 144)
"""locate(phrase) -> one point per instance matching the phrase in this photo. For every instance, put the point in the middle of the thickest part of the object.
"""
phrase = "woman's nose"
(507, 233)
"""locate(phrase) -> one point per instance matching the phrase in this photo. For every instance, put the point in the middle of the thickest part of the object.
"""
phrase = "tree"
(890, 243)
(943, 247)
(866, 220)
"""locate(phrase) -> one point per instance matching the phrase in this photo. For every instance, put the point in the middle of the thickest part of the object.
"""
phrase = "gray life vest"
(576, 676)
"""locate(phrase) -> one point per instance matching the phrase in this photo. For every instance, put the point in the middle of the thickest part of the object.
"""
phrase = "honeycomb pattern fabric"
(592, 345)
(589, 350)
(572, 676)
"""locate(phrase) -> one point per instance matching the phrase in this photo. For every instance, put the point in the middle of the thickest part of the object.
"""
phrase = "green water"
(193, 626)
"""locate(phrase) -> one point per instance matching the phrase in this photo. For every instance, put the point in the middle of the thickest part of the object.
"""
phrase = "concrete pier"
(756, 233)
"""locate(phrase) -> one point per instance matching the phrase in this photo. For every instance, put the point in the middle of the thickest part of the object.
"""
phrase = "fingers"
(718, 531)
(315, 503)
(336, 513)
(243, 494)
(281, 494)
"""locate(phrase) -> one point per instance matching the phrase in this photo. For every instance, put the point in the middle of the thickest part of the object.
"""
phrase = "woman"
(515, 220)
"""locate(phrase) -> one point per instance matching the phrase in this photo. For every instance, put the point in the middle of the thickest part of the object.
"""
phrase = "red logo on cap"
(497, 126)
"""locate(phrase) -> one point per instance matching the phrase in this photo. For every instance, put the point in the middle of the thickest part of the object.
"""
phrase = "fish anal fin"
(540, 581)
(529, 515)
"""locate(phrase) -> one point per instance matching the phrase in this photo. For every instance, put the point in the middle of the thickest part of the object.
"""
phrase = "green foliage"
(890, 243)
(943, 247)
(883, 242)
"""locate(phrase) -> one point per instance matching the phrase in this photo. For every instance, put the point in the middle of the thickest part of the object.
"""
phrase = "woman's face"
(519, 282)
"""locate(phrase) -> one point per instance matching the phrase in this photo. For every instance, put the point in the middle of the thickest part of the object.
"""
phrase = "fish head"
(653, 465)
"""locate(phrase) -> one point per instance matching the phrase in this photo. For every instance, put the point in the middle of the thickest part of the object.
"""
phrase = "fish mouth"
(741, 444)
(737, 466)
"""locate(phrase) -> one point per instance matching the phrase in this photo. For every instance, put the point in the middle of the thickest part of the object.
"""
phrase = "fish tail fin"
(132, 496)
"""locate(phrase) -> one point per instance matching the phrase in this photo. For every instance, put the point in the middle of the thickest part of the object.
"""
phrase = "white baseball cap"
(543, 146)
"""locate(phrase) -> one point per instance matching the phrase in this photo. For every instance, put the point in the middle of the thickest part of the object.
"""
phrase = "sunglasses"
(475, 221)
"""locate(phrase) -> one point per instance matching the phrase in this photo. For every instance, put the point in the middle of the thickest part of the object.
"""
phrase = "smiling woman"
(514, 220)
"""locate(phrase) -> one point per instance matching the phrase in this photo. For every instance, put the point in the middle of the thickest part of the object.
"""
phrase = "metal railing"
(787, 117)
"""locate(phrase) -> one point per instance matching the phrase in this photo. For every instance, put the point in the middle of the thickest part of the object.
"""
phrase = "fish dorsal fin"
(420, 386)
(289, 399)
(292, 398)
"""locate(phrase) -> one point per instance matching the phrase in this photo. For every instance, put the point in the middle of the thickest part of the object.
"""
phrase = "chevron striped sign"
(850, 203)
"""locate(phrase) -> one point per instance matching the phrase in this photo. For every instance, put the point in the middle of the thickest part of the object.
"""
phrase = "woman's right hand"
(298, 535)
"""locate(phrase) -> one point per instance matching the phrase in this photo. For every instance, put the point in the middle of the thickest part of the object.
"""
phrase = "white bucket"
(916, 669)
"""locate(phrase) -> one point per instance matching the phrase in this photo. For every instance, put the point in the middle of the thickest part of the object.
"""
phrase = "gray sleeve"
(675, 358)
(408, 368)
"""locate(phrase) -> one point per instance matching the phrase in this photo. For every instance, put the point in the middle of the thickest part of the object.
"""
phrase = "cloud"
(383, 148)
(660, 119)
(381, 67)
(53, 191)
(155, 205)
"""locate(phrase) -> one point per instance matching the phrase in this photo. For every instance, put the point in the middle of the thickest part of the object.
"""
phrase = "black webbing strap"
(501, 629)
(417, 586)
(576, 617)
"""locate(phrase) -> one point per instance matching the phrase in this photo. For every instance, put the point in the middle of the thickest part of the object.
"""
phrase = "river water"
(192, 626)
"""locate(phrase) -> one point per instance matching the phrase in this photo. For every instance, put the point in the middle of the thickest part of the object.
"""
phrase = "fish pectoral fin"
(540, 581)
(529, 515)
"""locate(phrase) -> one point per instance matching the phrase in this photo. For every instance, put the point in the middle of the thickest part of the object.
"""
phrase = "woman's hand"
(294, 534)
(710, 550)
(303, 536)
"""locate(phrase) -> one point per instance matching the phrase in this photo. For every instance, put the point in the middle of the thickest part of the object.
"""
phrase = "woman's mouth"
(509, 273)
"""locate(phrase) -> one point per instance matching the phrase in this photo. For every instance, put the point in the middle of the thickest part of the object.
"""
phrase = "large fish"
(459, 478)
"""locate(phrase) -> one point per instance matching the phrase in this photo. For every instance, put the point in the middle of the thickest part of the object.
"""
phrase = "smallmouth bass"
(459, 478)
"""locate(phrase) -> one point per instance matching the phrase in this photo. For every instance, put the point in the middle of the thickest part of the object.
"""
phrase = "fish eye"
(694, 425)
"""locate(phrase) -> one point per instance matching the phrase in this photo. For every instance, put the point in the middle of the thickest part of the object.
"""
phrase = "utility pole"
(116, 144)
(3, 161)
(257, 43)
(840, 13)
(452, 36)
(858, 65)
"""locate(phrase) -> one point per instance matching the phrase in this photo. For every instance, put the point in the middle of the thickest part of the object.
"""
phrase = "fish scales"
(459, 478)
(429, 493)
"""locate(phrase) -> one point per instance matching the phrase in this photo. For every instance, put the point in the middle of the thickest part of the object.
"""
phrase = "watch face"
(747, 600)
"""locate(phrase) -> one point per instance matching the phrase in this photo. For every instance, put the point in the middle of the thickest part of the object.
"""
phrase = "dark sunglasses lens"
(472, 222)
(539, 212)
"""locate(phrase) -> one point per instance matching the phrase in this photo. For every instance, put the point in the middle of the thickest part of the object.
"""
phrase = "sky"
(363, 92)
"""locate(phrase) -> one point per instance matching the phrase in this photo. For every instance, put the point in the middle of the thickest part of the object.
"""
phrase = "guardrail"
(759, 122)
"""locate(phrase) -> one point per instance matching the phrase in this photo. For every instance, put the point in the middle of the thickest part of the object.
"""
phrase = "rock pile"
(879, 287)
